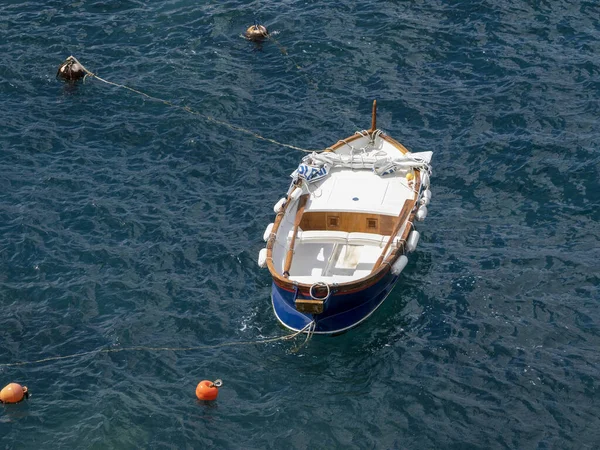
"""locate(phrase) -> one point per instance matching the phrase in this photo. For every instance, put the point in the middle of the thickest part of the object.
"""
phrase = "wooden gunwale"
(376, 275)
(404, 213)
(343, 142)
(395, 143)
(290, 253)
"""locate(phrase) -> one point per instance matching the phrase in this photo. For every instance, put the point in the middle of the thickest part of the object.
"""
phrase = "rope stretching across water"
(190, 110)
(308, 329)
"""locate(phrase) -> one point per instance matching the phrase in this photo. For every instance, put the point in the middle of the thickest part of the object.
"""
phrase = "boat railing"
(402, 220)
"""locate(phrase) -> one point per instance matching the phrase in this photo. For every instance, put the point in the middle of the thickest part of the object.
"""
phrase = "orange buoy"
(208, 390)
(257, 33)
(13, 393)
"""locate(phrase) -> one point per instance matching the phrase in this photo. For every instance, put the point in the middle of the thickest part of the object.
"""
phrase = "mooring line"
(309, 327)
(191, 111)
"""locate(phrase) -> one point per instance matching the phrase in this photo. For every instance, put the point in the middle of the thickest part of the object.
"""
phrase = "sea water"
(130, 222)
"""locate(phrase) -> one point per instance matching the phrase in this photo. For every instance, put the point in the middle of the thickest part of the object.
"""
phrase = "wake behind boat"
(342, 234)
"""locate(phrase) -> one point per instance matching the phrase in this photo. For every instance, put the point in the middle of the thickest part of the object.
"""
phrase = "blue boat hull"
(341, 312)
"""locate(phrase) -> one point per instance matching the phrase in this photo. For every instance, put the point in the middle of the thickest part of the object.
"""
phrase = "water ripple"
(126, 222)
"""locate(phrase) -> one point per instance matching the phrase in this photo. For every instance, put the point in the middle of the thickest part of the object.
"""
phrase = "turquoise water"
(126, 222)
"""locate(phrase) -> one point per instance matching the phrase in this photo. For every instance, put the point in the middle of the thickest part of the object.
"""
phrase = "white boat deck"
(360, 191)
(333, 262)
(330, 256)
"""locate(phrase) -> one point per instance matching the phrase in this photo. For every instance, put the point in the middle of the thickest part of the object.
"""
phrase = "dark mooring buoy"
(257, 33)
(71, 70)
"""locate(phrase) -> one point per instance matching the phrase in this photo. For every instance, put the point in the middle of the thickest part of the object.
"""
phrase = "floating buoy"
(13, 393)
(410, 176)
(257, 33)
(71, 70)
(208, 390)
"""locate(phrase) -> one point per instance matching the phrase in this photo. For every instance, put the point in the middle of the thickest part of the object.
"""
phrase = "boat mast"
(374, 118)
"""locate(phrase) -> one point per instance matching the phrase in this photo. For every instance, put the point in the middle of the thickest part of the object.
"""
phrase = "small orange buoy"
(256, 33)
(208, 390)
(410, 176)
(13, 393)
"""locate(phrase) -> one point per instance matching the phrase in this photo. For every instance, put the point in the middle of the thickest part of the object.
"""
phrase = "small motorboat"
(342, 234)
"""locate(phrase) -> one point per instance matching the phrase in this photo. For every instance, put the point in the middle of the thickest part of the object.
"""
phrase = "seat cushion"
(367, 239)
(324, 236)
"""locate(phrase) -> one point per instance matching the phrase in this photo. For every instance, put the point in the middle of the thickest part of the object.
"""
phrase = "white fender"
(425, 179)
(426, 197)
(421, 213)
(268, 232)
(296, 193)
(413, 240)
(262, 258)
(399, 265)
(279, 205)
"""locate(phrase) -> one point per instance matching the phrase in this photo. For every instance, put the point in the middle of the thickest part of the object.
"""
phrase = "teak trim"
(309, 306)
(349, 222)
